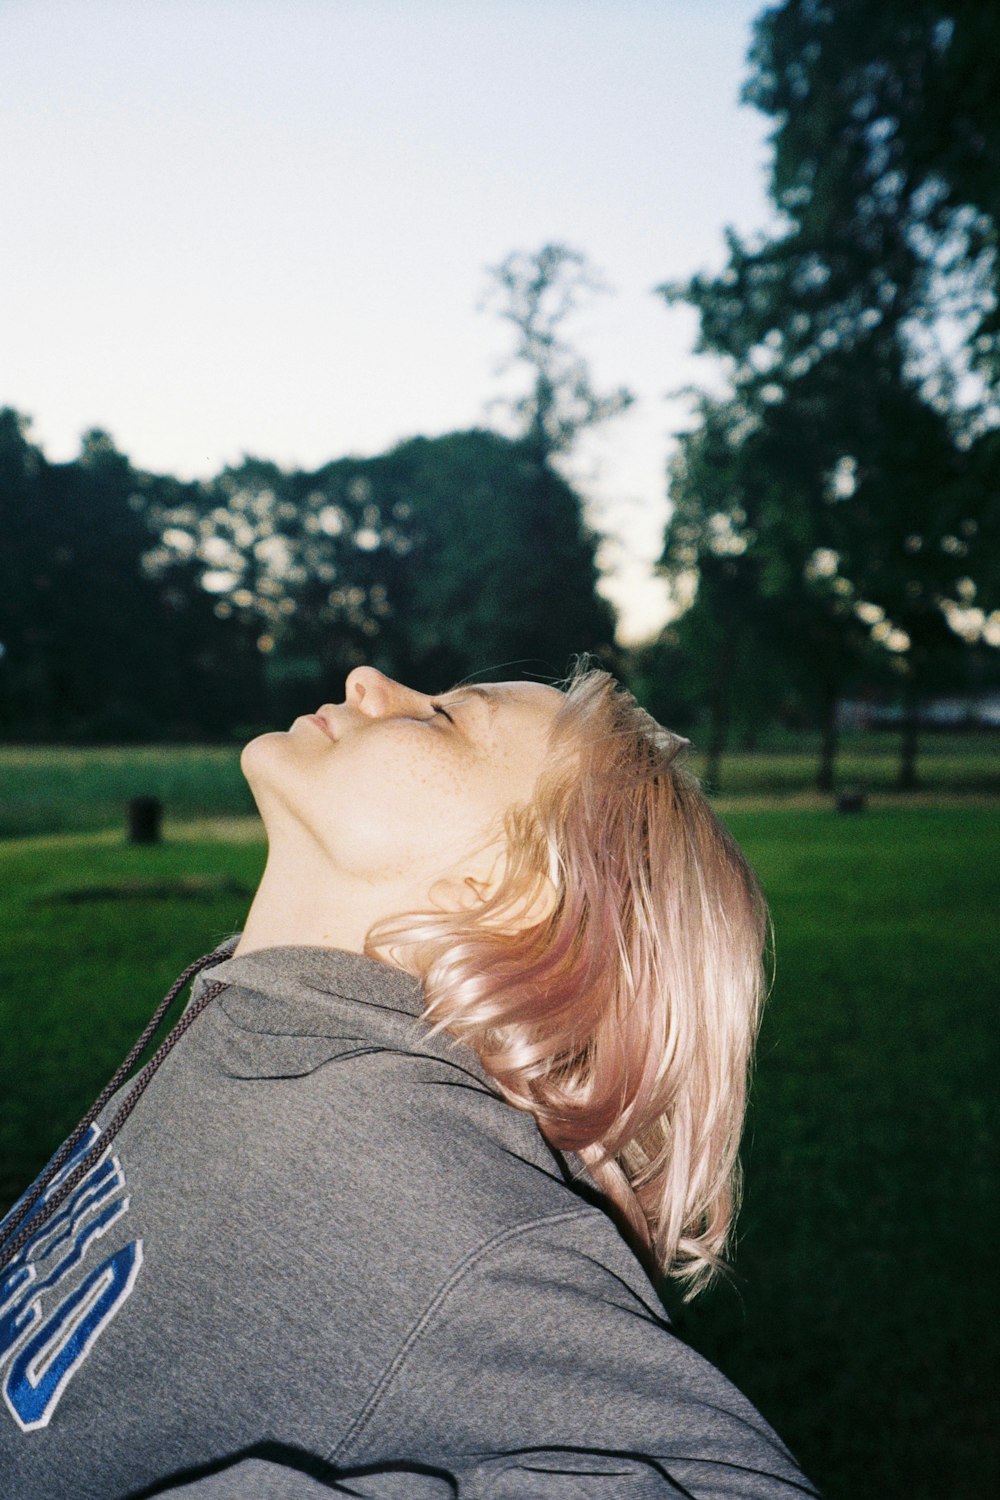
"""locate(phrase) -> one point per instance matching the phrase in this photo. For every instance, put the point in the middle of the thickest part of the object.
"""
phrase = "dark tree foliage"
(444, 557)
(501, 571)
(856, 476)
(659, 673)
(133, 604)
(765, 631)
(92, 646)
(890, 113)
(538, 293)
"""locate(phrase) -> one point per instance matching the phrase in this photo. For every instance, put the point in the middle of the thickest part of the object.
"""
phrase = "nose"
(375, 694)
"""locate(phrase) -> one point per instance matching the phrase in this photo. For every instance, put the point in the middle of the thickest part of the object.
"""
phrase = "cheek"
(382, 808)
(385, 818)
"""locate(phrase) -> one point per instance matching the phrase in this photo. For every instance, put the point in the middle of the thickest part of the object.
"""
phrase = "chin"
(265, 766)
(259, 753)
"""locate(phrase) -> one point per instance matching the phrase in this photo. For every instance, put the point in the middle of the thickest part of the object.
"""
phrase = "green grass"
(63, 789)
(951, 764)
(863, 1315)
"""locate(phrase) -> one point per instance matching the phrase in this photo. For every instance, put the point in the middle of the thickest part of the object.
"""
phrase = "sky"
(266, 226)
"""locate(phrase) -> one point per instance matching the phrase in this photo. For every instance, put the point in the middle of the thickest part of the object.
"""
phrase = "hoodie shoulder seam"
(467, 1264)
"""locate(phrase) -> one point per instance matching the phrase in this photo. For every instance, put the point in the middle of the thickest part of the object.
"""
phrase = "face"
(399, 788)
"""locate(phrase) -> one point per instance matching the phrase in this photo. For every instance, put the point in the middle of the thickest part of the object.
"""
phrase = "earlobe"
(469, 892)
(522, 910)
(480, 889)
(460, 893)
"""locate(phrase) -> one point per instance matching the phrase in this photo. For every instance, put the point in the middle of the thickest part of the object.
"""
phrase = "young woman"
(379, 1217)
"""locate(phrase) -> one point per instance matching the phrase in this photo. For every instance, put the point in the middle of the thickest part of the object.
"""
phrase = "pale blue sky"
(263, 225)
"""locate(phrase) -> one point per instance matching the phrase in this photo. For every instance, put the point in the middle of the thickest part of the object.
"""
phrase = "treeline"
(138, 606)
(835, 505)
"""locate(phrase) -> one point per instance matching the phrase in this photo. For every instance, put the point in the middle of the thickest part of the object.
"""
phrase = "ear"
(480, 885)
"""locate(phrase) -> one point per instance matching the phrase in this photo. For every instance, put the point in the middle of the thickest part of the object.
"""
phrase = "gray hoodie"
(323, 1256)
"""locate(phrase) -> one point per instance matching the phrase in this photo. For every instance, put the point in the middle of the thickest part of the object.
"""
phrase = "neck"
(301, 902)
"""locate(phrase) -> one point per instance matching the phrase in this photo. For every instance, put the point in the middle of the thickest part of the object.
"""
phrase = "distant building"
(948, 711)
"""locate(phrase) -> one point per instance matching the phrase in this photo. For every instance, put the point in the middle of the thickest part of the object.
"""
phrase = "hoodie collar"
(291, 988)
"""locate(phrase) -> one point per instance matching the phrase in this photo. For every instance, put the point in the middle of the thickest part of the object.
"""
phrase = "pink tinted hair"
(624, 1019)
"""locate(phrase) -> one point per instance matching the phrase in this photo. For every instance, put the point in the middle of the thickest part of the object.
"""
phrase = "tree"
(765, 627)
(431, 561)
(21, 559)
(537, 293)
(76, 601)
(706, 549)
(853, 448)
(899, 99)
(208, 673)
(500, 567)
(93, 644)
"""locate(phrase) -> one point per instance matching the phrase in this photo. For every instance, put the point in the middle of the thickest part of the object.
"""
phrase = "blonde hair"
(624, 1019)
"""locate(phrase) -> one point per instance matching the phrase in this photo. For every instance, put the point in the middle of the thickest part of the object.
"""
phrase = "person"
(382, 1215)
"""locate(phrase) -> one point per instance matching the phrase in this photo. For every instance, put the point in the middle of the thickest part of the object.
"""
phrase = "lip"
(322, 724)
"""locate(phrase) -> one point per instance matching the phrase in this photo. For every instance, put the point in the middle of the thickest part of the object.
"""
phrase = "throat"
(301, 902)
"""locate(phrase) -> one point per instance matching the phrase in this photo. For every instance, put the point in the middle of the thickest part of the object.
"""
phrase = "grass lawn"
(863, 1319)
(66, 789)
(863, 1315)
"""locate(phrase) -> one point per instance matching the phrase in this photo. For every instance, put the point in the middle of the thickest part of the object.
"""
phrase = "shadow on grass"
(186, 888)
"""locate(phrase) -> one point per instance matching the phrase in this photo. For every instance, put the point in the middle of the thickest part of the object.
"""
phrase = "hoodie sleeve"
(545, 1372)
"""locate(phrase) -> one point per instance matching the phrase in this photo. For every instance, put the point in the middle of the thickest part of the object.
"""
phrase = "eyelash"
(439, 710)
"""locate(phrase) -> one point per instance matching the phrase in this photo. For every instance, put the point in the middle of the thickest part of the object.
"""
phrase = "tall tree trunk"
(907, 779)
(719, 706)
(825, 778)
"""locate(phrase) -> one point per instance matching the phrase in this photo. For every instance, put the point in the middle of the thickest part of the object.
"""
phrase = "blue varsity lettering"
(79, 1150)
(46, 1363)
(47, 1325)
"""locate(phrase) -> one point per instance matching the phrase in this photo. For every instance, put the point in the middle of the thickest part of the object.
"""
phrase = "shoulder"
(548, 1347)
(375, 1119)
(443, 1145)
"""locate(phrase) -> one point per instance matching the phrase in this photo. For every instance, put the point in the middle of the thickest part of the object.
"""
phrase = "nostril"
(357, 683)
(369, 690)
(374, 694)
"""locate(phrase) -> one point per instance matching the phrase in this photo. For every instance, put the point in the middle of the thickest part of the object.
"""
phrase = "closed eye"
(439, 710)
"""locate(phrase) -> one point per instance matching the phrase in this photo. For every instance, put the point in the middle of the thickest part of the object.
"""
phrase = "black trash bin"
(144, 817)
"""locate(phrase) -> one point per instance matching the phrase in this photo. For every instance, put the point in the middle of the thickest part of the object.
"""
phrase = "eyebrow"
(489, 698)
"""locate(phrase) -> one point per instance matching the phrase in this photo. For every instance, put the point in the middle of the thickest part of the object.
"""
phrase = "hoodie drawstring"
(22, 1224)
